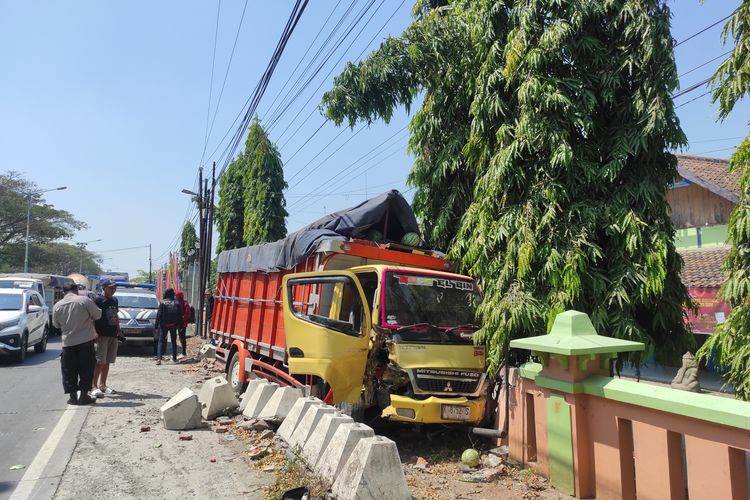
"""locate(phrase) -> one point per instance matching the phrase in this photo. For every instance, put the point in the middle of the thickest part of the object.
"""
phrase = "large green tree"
(263, 184)
(47, 223)
(230, 214)
(51, 257)
(730, 344)
(561, 146)
(188, 250)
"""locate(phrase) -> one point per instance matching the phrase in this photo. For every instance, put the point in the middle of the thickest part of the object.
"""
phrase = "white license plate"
(454, 412)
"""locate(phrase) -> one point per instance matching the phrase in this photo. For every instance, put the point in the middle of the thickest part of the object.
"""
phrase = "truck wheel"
(354, 410)
(233, 374)
(42, 346)
(20, 355)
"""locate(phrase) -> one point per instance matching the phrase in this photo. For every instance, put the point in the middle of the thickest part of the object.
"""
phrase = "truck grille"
(451, 382)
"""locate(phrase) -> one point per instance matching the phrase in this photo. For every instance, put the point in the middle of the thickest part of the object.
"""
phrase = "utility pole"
(209, 202)
(150, 278)
(201, 249)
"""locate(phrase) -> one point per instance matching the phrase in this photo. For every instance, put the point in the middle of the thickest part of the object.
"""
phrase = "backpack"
(172, 313)
(192, 315)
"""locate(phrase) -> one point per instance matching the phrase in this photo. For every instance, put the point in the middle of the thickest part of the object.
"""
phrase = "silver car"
(137, 315)
(24, 322)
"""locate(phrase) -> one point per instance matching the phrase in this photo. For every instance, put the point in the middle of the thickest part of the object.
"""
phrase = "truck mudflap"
(435, 410)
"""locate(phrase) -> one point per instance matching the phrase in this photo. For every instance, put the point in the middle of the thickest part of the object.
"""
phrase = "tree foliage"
(730, 344)
(188, 249)
(552, 122)
(47, 223)
(230, 214)
(263, 184)
(51, 257)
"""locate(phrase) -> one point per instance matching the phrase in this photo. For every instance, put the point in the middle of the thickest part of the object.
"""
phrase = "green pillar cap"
(573, 334)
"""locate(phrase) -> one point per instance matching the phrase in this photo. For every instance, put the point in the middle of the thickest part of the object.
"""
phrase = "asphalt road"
(31, 404)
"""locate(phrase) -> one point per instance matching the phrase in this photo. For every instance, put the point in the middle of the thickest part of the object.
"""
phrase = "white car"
(24, 322)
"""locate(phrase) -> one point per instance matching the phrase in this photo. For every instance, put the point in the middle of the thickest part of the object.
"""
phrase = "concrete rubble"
(217, 398)
(182, 411)
(207, 351)
(373, 471)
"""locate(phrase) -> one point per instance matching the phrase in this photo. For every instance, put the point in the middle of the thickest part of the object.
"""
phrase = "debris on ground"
(186, 437)
(17, 467)
(145, 428)
(294, 475)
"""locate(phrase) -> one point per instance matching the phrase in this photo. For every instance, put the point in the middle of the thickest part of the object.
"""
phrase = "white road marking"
(34, 472)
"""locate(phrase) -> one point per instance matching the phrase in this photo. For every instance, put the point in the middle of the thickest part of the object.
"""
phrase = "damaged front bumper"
(435, 410)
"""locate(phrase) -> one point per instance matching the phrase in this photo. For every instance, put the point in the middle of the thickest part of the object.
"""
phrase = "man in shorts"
(107, 327)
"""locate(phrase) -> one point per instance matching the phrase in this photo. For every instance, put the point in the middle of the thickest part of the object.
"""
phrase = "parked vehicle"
(360, 324)
(48, 285)
(24, 322)
(138, 307)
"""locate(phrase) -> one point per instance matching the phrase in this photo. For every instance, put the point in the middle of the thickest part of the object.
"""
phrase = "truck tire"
(233, 374)
(354, 410)
(42, 345)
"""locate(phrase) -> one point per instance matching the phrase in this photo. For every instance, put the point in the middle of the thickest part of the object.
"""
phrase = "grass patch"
(294, 474)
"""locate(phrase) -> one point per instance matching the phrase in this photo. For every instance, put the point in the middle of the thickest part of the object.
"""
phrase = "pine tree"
(230, 213)
(730, 343)
(263, 186)
(564, 151)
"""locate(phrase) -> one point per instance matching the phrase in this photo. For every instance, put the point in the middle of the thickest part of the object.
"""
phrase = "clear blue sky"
(110, 99)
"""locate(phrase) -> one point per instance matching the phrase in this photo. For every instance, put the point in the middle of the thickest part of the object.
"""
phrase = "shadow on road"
(32, 358)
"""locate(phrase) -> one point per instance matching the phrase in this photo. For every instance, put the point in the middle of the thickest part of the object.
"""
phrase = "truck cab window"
(336, 305)
(369, 282)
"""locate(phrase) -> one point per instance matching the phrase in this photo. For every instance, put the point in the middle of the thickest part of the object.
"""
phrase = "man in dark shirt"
(107, 327)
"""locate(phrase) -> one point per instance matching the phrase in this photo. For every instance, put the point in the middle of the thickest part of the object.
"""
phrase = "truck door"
(327, 330)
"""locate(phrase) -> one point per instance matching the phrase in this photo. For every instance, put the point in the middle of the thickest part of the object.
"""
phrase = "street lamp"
(28, 221)
(82, 246)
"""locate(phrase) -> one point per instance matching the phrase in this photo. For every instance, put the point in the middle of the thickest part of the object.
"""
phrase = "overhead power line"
(690, 88)
(705, 29)
(226, 74)
(260, 88)
(704, 94)
(211, 85)
(705, 63)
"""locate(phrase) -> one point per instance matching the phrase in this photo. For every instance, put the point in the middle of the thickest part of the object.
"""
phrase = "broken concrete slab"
(182, 411)
(295, 415)
(318, 441)
(207, 351)
(259, 398)
(308, 424)
(217, 398)
(280, 404)
(340, 448)
(373, 471)
(252, 386)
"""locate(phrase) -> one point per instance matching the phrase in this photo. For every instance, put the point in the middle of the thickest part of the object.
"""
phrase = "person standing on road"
(186, 313)
(168, 320)
(107, 327)
(74, 316)
(209, 308)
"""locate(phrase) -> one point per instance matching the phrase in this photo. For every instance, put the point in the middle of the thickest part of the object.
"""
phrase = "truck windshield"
(430, 307)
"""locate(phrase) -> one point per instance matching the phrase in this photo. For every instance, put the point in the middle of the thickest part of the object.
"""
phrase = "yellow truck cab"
(399, 339)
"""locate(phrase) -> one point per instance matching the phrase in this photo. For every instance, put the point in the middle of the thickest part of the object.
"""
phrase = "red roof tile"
(702, 267)
(710, 173)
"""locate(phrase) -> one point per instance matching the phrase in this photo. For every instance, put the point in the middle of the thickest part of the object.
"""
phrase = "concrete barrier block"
(321, 436)
(216, 397)
(181, 412)
(259, 399)
(308, 424)
(280, 404)
(295, 415)
(252, 385)
(207, 351)
(340, 448)
(373, 471)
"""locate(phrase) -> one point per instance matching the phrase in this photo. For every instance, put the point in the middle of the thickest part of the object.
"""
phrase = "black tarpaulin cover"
(388, 209)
